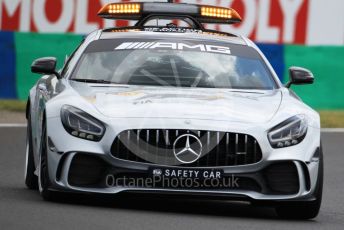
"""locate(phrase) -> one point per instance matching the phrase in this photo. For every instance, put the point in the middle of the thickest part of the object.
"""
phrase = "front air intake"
(282, 178)
(86, 171)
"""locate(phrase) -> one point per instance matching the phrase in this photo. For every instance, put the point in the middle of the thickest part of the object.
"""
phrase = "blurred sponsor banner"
(289, 32)
(267, 21)
(7, 65)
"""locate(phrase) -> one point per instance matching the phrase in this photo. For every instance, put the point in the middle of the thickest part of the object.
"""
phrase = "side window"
(73, 59)
(67, 64)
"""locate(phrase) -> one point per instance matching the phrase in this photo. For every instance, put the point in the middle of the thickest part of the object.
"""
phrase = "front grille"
(155, 146)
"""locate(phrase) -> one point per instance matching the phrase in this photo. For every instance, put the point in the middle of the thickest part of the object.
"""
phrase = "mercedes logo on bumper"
(187, 148)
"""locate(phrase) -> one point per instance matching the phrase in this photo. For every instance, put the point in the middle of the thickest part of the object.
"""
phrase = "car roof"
(151, 33)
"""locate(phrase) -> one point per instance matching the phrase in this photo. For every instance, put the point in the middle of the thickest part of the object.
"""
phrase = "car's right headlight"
(80, 124)
(290, 132)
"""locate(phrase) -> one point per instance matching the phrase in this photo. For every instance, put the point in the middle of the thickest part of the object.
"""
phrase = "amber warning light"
(116, 9)
(140, 10)
(219, 12)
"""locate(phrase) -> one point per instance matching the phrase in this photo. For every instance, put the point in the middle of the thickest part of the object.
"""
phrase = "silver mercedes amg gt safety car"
(181, 110)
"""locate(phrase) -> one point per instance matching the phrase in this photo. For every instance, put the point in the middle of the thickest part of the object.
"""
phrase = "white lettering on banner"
(290, 9)
(286, 21)
(264, 32)
(257, 16)
(81, 24)
(246, 27)
(11, 6)
(62, 23)
(326, 23)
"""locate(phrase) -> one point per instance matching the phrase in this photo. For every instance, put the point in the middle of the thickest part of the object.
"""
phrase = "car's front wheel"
(43, 174)
(30, 177)
(305, 209)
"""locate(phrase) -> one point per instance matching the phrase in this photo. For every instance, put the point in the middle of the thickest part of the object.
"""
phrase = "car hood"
(250, 106)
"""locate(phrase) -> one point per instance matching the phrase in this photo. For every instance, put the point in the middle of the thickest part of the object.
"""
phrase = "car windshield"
(174, 64)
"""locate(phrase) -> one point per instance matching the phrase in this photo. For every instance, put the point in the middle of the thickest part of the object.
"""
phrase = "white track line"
(332, 130)
(23, 125)
(13, 125)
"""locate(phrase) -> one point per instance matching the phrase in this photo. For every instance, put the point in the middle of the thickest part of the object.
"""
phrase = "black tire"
(31, 179)
(43, 178)
(305, 209)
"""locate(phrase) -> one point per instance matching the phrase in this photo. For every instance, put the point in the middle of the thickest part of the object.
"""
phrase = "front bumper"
(66, 147)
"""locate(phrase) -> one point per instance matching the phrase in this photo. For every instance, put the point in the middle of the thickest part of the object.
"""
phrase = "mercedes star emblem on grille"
(187, 148)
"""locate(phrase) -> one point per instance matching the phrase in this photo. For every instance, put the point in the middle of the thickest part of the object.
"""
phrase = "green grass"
(13, 105)
(332, 119)
(329, 118)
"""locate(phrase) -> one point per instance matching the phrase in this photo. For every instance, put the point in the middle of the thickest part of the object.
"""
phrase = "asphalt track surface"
(21, 208)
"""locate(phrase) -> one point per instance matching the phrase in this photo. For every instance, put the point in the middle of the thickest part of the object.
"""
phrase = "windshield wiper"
(91, 81)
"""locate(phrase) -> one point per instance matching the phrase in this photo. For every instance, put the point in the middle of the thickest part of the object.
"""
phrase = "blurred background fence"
(307, 33)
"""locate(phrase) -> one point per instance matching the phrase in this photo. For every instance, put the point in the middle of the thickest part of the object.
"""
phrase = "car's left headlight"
(80, 124)
(288, 133)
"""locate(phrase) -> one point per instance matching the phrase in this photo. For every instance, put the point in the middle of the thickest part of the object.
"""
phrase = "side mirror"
(46, 65)
(299, 76)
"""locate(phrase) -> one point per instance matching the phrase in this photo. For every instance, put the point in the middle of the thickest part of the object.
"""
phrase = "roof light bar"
(219, 12)
(141, 10)
(121, 10)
